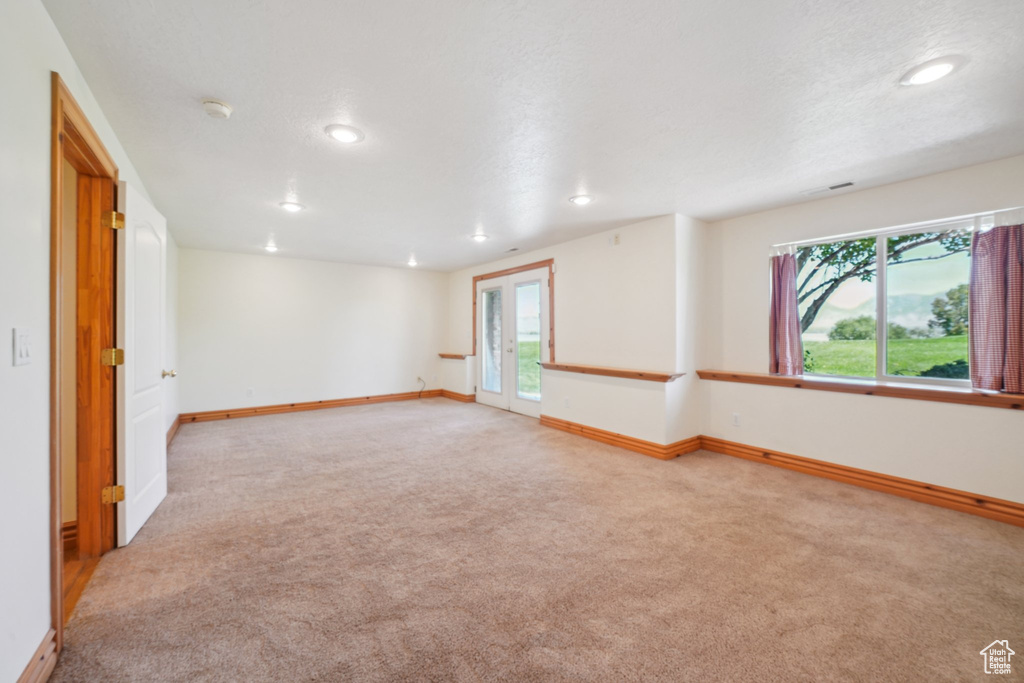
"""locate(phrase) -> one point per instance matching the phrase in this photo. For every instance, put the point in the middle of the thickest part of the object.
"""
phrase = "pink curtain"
(785, 346)
(997, 309)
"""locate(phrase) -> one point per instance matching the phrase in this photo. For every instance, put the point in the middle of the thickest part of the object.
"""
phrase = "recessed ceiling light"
(581, 199)
(932, 70)
(346, 134)
(479, 237)
(292, 207)
(217, 109)
(412, 261)
(271, 247)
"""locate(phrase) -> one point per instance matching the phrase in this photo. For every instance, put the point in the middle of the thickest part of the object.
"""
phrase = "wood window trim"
(546, 263)
(72, 137)
(646, 375)
(969, 397)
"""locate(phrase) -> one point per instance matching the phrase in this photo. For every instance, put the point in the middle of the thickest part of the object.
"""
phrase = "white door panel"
(141, 439)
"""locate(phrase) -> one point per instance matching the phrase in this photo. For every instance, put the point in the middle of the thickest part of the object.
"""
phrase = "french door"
(512, 326)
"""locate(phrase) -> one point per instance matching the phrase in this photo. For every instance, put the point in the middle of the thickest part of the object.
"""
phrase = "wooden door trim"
(546, 263)
(71, 137)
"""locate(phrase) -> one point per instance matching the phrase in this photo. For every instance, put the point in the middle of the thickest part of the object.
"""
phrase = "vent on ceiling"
(830, 188)
(512, 249)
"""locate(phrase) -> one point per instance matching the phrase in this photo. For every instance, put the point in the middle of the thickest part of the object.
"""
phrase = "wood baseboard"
(207, 416)
(997, 509)
(43, 661)
(972, 503)
(455, 396)
(655, 450)
(173, 430)
(69, 534)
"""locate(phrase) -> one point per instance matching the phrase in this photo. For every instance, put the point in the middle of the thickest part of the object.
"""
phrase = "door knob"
(169, 373)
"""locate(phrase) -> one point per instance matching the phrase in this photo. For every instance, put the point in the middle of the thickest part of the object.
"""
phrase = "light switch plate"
(22, 346)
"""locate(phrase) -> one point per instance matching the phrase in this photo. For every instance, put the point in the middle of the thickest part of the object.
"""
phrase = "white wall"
(616, 305)
(964, 447)
(295, 330)
(30, 47)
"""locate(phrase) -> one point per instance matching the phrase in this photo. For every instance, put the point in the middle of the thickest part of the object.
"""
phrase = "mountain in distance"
(909, 310)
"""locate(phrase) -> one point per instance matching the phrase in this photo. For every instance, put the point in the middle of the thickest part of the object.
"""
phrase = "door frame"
(550, 265)
(508, 397)
(72, 138)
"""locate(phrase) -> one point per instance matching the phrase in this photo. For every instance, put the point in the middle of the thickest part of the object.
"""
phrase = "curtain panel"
(997, 309)
(786, 349)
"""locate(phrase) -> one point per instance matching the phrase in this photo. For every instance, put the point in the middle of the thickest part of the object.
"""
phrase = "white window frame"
(971, 223)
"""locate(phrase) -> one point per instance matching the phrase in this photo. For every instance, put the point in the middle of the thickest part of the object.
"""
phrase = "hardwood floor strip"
(209, 415)
(83, 572)
(963, 501)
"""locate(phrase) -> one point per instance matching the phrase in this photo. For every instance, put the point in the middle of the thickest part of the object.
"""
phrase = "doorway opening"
(513, 324)
(82, 353)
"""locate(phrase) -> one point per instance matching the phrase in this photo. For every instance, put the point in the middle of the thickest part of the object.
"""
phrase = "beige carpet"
(433, 540)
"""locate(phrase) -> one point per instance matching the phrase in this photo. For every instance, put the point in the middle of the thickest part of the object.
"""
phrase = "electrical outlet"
(22, 346)
(613, 241)
(250, 392)
(735, 419)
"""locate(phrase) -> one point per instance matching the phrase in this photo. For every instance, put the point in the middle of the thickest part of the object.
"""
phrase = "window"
(915, 280)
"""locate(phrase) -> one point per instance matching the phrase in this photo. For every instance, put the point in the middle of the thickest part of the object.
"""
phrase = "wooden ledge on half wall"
(453, 356)
(941, 394)
(646, 375)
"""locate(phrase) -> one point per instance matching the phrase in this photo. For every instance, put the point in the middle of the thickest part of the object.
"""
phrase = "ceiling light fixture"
(581, 199)
(932, 70)
(343, 133)
(217, 109)
(271, 247)
(479, 237)
(292, 207)
(412, 261)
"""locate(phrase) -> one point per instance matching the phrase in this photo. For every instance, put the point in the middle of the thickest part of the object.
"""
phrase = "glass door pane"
(528, 341)
(492, 341)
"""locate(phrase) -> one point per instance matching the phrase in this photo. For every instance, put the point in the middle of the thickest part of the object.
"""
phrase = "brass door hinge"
(113, 494)
(113, 220)
(112, 357)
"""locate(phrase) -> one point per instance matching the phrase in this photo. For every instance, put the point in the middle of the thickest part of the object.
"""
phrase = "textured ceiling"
(492, 113)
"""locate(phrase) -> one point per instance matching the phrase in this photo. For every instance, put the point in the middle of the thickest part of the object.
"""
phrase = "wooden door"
(94, 333)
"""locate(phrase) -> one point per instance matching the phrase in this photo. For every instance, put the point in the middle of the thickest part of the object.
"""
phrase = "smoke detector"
(217, 109)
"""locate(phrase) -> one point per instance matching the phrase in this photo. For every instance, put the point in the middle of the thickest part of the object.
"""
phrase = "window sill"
(970, 397)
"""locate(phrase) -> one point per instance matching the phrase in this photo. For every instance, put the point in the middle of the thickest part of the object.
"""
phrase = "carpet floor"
(433, 540)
